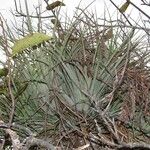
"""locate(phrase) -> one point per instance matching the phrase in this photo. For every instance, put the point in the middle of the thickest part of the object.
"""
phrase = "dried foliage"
(86, 88)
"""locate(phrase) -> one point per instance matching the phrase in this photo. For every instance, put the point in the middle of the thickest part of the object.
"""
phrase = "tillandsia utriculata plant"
(77, 84)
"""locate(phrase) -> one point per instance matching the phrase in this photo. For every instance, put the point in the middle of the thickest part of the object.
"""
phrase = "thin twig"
(121, 13)
(5, 45)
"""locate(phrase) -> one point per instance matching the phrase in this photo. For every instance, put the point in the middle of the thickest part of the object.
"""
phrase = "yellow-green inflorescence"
(29, 41)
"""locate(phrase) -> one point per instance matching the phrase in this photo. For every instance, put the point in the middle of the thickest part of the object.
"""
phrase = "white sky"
(99, 5)
(7, 5)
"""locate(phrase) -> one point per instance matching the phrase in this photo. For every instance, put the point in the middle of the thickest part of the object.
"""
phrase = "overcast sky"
(99, 5)
(7, 5)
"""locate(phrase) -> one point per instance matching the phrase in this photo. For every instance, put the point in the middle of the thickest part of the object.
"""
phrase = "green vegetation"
(3, 72)
(29, 41)
(88, 88)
